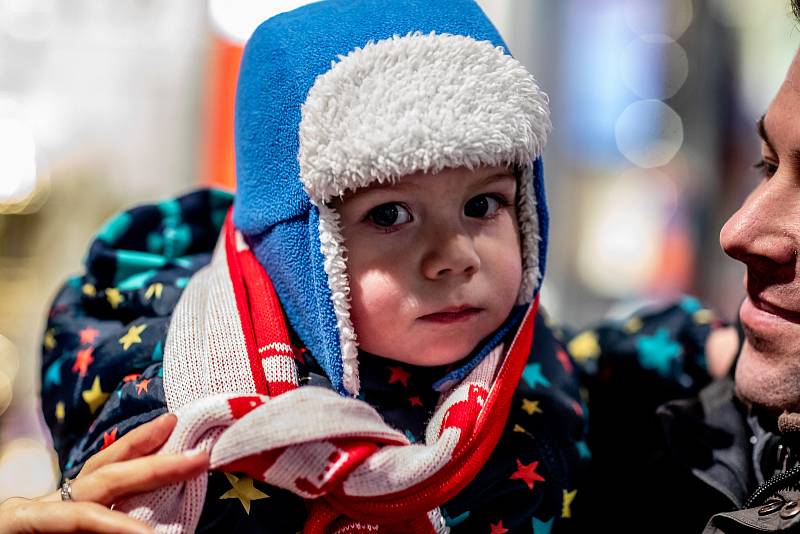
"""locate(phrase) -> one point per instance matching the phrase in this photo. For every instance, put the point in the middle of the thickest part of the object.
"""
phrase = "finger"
(140, 441)
(110, 483)
(33, 516)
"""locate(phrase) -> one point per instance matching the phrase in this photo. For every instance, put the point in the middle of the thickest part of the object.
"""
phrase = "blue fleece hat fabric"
(343, 93)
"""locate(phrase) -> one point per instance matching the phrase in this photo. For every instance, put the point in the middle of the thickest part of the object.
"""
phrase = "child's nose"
(454, 255)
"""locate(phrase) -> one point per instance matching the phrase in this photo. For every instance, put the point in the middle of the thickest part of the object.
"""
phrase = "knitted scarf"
(230, 376)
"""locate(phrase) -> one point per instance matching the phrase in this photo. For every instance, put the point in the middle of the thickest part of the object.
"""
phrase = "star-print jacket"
(102, 376)
(657, 466)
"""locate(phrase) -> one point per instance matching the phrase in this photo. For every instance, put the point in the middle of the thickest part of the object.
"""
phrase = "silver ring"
(66, 490)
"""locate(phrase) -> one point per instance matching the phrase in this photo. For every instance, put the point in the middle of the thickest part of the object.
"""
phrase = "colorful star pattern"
(542, 527)
(584, 346)
(398, 374)
(94, 397)
(60, 411)
(530, 406)
(88, 290)
(132, 337)
(114, 297)
(50, 339)
(497, 528)
(142, 386)
(703, 317)
(243, 490)
(690, 304)
(415, 400)
(109, 438)
(533, 376)
(563, 359)
(633, 325)
(88, 335)
(658, 352)
(154, 290)
(83, 359)
(53, 375)
(583, 449)
(527, 473)
(569, 496)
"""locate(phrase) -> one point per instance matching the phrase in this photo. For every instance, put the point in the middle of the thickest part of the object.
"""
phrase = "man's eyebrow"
(794, 154)
(762, 132)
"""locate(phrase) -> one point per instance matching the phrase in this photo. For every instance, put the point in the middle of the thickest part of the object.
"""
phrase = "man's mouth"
(453, 314)
(758, 313)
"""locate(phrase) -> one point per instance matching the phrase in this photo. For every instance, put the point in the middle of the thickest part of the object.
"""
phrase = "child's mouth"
(452, 315)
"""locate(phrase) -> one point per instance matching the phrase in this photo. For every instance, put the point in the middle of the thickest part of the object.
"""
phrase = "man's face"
(765, 235)
(434, 262)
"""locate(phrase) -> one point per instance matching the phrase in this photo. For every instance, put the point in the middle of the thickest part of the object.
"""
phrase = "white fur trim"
(418, 103)
(332, 246)
(528, 220)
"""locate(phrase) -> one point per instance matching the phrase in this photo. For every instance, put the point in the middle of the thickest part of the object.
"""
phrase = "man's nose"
(451, 252)
(756, 234)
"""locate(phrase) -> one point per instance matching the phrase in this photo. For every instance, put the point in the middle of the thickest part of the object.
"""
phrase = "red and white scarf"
(230, 377)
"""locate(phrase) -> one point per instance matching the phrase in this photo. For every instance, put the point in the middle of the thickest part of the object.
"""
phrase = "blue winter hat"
(344, 93)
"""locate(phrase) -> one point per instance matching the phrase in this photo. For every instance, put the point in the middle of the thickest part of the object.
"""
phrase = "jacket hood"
(344, 93)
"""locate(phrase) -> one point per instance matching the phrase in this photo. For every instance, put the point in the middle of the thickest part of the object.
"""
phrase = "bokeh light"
(671, 18)
(621, 242)
(649, 133)
(642, 53)
(17, 161)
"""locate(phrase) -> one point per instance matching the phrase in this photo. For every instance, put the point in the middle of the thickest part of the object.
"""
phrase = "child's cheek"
(377, 303)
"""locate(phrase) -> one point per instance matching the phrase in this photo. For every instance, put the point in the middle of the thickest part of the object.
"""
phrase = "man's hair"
(796, 10)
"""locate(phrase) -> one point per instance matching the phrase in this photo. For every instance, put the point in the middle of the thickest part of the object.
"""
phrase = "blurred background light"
(237, 19)
(657, 51)
(27, 20)
(649, 133)
(671, 18)
(17, 161)
(618, 249)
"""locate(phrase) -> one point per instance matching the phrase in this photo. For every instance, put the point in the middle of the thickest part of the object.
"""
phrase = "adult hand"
(127, 467)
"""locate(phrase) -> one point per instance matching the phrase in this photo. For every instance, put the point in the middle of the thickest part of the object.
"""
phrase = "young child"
(363, 351)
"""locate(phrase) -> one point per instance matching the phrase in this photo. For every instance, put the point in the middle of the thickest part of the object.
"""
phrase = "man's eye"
(482, 206)
(766, 168)
(386, 215)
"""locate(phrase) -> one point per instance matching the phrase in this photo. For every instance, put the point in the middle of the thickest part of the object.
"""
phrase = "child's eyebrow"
(498, 177)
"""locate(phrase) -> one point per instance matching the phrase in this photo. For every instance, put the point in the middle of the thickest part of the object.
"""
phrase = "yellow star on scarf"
(243, 490)
(95, 397)
(633, 325)
(154, 289)
(88, 290)
(530, 406)
(569, 496)
(132, 337)
(703, 316)
(114, 297)
(60, 411)
(584, 346)
(50, 339)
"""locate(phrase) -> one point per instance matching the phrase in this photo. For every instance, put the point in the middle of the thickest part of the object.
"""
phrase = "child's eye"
(766, 168)
(390, 214)
(483, 206)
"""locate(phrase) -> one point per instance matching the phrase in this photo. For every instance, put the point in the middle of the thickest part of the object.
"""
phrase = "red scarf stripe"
(260, 311)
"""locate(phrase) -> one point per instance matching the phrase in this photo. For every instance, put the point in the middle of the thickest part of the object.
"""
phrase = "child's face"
(434, 262)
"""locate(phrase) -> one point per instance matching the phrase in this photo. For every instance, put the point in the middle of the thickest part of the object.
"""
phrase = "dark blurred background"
(107, 104)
